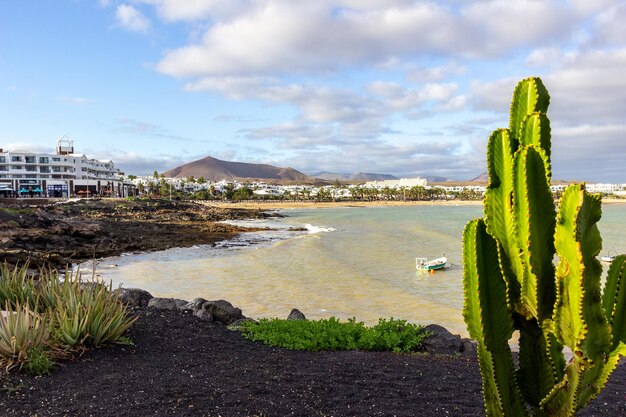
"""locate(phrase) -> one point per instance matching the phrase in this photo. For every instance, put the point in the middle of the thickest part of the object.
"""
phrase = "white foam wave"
(318, 229)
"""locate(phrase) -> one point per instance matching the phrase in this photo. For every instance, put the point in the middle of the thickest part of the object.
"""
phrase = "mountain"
(359, 176)
(484, 177)
(367, 176)
(216, 170)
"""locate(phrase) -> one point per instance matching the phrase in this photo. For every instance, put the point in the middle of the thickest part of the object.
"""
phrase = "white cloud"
(423, 54)
(274, 37)
(129, 18)
(141, 128)
(588, 103)
(132, 163)
(194, 10)
(610, 26)
(25, 147)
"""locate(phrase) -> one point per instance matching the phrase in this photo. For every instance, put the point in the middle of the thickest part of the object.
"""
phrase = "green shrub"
(38, 361)
(331, 334)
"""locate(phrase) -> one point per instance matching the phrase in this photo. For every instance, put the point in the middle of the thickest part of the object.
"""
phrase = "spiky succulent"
(511, 283)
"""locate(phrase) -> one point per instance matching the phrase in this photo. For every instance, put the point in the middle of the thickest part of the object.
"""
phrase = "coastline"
(280, 205)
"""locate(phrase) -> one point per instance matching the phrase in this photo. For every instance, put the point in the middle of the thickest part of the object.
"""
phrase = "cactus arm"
(579, 314)
(568, 323)
(614, 300)
(499, 208)
(534, 215)
(596, 344)
(555, 353)
(560, 402)
(489, 320)
(536, 131)
(529, 96)
(612, 362)
(578, 243)
(535, 375)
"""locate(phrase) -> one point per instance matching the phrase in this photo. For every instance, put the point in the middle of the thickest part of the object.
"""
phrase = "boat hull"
(422, 264)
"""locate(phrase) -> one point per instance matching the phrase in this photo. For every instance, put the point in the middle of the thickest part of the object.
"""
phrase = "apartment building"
(63, 174)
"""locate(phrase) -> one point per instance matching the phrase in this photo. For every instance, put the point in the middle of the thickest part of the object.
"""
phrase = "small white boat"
(608, 259)
(423, 264)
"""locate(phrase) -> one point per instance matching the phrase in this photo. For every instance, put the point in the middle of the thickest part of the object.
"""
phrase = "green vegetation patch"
(331, 334)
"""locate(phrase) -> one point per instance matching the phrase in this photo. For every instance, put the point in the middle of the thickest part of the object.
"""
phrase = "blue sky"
(388, 86)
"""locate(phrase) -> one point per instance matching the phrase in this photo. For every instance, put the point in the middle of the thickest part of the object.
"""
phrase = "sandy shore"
(279, 205)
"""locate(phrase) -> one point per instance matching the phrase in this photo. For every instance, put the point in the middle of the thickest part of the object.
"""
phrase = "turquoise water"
(353, 262)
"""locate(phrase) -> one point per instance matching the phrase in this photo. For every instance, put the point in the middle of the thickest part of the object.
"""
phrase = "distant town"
(66, 174)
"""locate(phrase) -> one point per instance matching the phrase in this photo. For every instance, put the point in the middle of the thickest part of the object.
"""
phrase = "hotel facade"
(63, 174)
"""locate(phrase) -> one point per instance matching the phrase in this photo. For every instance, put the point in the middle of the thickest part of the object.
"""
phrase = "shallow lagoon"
(351, 262)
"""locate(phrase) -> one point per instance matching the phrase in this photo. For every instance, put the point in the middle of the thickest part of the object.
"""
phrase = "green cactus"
(511, 284)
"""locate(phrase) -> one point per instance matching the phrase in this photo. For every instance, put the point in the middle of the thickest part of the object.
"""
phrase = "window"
(16, 167)
(44, 160)
(31, 176)
(56, 169)
(16, 159)
(56, 159)
(30, 159)
(44, 169)
(44, 176)
(3, 158)
(31, 169)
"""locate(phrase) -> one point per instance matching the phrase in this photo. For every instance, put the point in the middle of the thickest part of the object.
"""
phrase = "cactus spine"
(511, 284)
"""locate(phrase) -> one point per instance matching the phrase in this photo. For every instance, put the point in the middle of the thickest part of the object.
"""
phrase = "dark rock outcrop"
(237, 323)
(223, 311)
(470, 347)
(441, 341)
(204, 315)
(133, 297)
(296, 315)
(193, 306)
(166, 303)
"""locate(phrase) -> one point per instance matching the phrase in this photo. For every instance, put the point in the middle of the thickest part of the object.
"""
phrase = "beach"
(280, 205)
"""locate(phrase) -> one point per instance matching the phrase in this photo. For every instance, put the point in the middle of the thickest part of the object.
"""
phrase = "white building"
(63, 174)
(402, 182)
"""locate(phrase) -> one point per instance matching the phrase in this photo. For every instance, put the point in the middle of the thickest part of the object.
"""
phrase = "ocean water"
(350, 262)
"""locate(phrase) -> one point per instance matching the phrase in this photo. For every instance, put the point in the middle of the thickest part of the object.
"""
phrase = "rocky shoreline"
(61, 234)
(222, 312)
(186, 360)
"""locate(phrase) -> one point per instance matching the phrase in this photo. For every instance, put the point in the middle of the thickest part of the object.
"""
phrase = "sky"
(382, 86)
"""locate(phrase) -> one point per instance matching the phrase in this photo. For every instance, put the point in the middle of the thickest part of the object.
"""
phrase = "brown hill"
(216, 170)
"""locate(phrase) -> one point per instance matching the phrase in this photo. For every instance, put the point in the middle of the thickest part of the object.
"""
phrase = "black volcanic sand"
(59, 234)
(186, 367)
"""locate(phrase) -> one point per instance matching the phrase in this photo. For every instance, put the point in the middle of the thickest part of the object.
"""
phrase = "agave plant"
(511, 283)
(86, 315)
(21, 332)
(17, 287)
